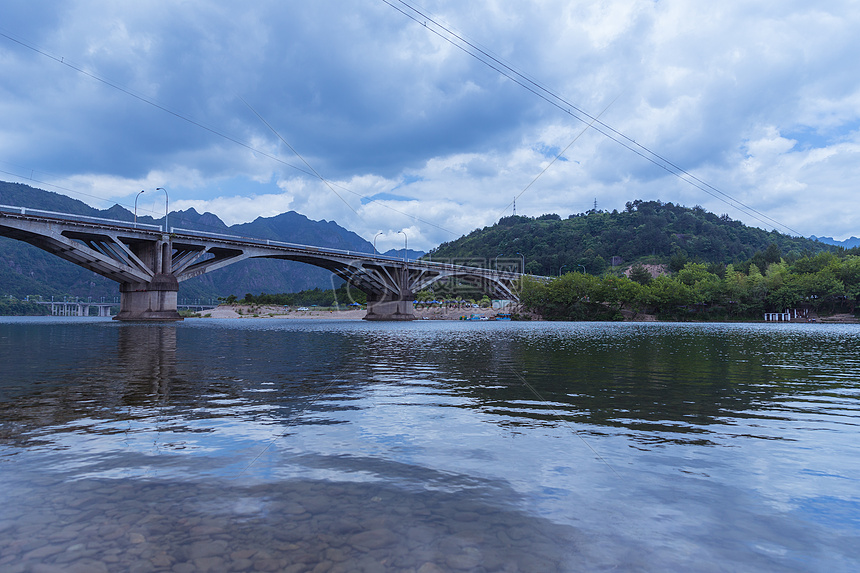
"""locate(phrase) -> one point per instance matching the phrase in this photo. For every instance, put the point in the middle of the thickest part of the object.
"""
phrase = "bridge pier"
(149, 262)
(152, 301)
(390, 310)
(384, 308)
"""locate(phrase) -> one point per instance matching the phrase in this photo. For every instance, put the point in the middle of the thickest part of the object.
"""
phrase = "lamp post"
(497, 261)
(166, 203)
(559, 269)
(583, 269)
(375, 252)
(524, 262)
(135, 207)
(405, 246)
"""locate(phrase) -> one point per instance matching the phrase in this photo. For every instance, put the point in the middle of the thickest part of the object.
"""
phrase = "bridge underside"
(149, 264)
(391, 290)
(390, 284)
(139, 261)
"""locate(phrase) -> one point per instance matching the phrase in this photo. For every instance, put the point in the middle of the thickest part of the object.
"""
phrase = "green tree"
(534, 268)
(640, 274)
(423, 296)
(633, 296)
(692, 273)
(667, 294)
(677, 261)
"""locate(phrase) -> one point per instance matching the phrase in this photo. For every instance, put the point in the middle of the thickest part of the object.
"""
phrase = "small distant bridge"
(76, 308)
(149, 262)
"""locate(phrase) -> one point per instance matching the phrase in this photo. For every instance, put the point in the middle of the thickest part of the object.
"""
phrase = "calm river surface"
(334, 446)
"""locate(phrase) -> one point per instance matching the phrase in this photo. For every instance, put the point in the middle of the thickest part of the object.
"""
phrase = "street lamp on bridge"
(135, 207)
(405, 246)
(375, 252)
(524, 262)
(166, 202)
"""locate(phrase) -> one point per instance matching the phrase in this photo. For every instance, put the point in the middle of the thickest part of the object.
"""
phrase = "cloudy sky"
(430, 118)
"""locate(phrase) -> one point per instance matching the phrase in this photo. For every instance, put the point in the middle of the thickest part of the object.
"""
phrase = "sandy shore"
(421, 313)
(254, 311)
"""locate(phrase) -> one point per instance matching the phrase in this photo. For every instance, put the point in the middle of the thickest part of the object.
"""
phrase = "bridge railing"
(271, 243)
(313, 249)
(246, 240)
(79, 218)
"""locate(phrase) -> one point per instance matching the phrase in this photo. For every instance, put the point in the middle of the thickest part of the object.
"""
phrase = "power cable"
(149, 101)
(293, 149)
(164, 108)
(565, 106)
(55, 186)
(563, 151)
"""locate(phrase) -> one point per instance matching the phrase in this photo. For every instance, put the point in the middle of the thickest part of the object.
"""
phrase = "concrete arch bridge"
(149, 262)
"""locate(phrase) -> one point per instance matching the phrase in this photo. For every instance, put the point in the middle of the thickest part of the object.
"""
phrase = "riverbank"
(432, 313)
(271, 311)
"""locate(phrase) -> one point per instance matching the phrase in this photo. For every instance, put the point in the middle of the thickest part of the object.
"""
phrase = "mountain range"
(847, 243)
(646, 231)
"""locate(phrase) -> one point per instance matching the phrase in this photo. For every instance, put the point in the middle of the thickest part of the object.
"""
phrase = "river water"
(334, 446)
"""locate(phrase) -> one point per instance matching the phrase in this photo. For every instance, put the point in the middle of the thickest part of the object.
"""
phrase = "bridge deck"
(180, 237)
(149, 260)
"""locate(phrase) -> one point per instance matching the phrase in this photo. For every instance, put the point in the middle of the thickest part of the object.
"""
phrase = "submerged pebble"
(182, 529)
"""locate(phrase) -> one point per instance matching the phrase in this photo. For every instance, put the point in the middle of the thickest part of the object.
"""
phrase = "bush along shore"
(826, 285)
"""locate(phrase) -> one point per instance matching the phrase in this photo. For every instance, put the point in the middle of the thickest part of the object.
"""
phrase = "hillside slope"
(649, 231)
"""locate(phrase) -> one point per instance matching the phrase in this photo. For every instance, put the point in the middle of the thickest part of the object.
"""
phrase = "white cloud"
(759, 98)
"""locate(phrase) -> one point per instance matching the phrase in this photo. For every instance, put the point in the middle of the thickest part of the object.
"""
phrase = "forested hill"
(646, 231)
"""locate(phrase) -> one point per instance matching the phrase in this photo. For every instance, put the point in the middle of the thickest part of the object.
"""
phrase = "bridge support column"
(152, 301)
(387, 309)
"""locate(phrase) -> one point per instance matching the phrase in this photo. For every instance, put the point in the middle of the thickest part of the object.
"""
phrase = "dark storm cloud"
(760, 96)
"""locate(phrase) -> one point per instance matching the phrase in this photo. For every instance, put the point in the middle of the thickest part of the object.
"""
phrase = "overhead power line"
(495, 63)
(556, 158)
(150, 101)
(293, 149)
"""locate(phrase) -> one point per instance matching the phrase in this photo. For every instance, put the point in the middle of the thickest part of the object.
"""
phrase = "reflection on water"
(296, 525)
(345, 446)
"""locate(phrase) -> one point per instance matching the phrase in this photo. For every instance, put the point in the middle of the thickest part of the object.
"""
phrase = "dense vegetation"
(824, 283)
(311, 297)
(719, 267)
(646, 231)
(15, 307)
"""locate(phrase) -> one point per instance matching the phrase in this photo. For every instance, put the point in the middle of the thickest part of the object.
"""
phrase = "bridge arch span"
(149, 262)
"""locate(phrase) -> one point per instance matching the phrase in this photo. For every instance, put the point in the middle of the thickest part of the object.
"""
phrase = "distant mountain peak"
(847, 243)
(256, 275)
(413, 254)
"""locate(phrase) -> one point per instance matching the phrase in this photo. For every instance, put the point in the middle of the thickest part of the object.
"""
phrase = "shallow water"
(266, 445)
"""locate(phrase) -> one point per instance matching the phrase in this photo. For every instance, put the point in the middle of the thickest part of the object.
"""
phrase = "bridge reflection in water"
(149, 262)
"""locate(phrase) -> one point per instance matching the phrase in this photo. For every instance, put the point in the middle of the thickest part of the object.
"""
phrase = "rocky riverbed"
(103, 526)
